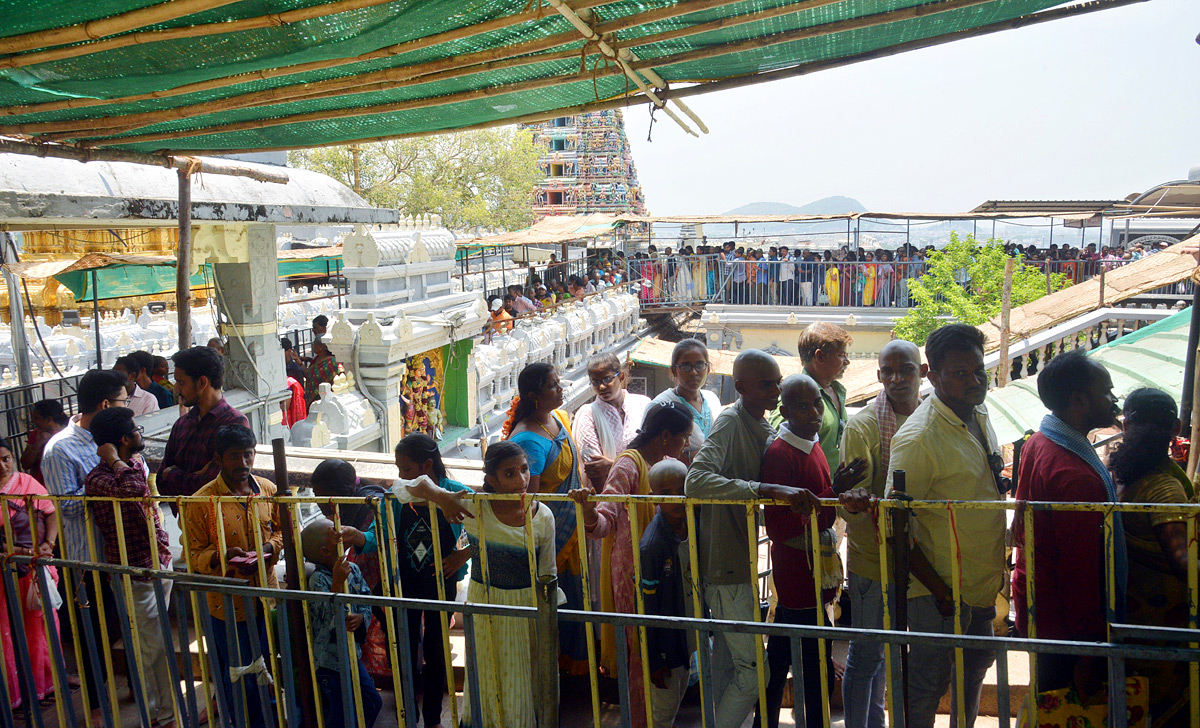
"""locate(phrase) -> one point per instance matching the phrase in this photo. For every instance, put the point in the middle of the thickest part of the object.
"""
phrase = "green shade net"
(574, 75)
(121, 281)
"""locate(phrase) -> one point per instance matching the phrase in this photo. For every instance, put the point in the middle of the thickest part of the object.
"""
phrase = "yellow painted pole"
(443, 617)
(294, 514)
(351, 647)
(589, 628)
(385, 539)
(202, 645)
(635, 533)
(1194, 604)
(756, 612)
(815, 545)
(698, 610)
(59, 688)
(956, 588)
(151, 533)
(130, 618)
(104, 646)
(882, 533)
(72, 616)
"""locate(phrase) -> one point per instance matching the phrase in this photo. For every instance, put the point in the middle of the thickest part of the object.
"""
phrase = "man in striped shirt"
(67, 459)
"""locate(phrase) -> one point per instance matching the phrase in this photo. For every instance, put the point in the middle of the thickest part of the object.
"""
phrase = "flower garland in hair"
(509, 421)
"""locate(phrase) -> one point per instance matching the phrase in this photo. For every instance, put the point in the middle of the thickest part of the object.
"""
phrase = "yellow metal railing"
(285, 693)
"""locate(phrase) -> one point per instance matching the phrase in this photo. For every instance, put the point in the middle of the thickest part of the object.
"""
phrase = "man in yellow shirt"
(223, 539)
(948, 451)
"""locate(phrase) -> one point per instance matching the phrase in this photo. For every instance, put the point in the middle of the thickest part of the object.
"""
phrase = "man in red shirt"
(793, 459)
(1059, 464)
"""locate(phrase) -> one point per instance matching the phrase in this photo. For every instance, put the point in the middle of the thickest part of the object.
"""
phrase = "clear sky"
(1091, 107)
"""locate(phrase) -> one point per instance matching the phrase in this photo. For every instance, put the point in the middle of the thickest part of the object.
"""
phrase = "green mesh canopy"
(390, 69)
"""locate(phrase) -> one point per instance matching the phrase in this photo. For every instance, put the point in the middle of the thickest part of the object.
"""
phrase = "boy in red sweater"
(793, 459)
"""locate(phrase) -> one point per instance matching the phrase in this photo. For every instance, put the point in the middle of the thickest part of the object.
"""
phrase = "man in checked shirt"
(187, 462)
(121, 473)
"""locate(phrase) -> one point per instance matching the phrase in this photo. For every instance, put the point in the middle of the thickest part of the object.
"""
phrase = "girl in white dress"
(502, 648)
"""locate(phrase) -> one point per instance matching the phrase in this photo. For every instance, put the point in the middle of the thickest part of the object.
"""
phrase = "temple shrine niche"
(588, 166)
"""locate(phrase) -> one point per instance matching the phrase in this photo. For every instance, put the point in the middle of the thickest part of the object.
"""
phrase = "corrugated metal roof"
(1151, 357)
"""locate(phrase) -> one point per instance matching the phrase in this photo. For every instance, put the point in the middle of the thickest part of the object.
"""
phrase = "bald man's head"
(900, 372)
(752, 363)
(756, 378)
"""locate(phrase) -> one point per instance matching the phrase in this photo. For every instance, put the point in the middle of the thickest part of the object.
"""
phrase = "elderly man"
(948, 451)
(822, 348)
(606, 425)
(1058, 464)
(869, 436)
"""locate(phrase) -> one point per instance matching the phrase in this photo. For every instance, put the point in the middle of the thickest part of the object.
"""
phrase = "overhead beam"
(190, 31)
(190, 163)
(466, 31)
(739, 82)
(662, 62)
(381, 79)
(132, 20)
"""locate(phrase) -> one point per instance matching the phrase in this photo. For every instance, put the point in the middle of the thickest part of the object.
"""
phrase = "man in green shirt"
(869, 436)
(822, 349)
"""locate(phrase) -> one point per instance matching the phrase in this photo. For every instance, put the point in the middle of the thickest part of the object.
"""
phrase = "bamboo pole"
(183, 262)
(389, 78)
(698, 54)
(269, 73)
(209, 166)
(622, 101)
(1194, 449)
(83, 32)
(612, 55)
(101, 44)
(383, 80)
(1002, 370)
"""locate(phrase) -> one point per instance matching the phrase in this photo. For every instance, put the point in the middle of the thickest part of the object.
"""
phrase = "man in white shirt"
(140, 401)
(787, 277)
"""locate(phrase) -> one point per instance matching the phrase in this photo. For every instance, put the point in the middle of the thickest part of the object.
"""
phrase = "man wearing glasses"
(121, 473)
(605, 427)
(67, 459)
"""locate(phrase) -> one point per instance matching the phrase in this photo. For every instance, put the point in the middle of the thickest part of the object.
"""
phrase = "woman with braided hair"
(543, 431)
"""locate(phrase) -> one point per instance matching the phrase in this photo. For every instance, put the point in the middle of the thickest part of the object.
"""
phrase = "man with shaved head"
(727, 467)
(869, 436)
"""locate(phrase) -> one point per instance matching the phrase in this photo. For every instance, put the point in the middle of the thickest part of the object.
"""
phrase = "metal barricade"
(182, 602)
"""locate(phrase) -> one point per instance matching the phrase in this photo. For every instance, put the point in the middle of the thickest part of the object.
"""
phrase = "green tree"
(964, 282)
(483, 177)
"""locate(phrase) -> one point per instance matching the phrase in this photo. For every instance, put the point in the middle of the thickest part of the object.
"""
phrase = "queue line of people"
(944, 443)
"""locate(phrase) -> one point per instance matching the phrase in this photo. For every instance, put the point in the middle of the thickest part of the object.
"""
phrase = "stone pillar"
(246, 276)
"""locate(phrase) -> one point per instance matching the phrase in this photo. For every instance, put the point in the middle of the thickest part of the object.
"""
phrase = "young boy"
(667, 593)
(234, 453)
(794, 459)
(334, 574)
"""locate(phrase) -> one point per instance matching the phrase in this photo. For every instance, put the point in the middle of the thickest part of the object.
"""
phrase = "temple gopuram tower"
(588, 166)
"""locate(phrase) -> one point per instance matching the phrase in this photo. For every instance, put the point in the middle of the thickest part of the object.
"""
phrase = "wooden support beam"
(123, 23)
(714, 86)
(189, 31)
(417, 44)
(195, 164)
(486, 60)
(701, 53)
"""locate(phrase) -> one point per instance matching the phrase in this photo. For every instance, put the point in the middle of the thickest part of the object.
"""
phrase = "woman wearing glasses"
(689, 369)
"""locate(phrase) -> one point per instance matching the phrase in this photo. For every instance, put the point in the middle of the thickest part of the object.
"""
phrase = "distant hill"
(825, 206)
